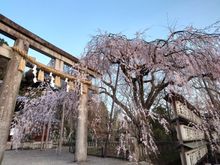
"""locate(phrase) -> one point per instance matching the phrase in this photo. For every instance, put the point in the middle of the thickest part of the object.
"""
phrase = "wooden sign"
(191, 139)
(186, 113)
(190, 133)
(193, 156)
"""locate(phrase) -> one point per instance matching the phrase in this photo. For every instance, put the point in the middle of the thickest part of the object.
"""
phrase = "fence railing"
(97, 149)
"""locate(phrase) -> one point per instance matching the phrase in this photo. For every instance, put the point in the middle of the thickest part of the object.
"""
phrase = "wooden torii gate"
(9, 88)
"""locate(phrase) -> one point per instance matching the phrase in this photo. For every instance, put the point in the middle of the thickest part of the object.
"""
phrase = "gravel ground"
(50, 157)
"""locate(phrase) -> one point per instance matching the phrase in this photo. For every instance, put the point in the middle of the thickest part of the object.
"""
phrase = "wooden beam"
(15, 31)
(49, 69)
(5, 51)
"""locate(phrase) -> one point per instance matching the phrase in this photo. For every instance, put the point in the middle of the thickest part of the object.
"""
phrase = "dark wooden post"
(42, 146)
(61, 128)
(8, 94)
(48, 133)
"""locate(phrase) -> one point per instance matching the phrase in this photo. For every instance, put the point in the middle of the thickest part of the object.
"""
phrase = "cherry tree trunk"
(109, 131)
(81, 132)
(8, 94)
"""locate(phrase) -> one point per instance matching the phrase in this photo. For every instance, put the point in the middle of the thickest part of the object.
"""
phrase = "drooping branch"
(148, 68)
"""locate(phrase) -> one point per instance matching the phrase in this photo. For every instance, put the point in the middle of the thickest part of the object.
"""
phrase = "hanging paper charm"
(67, 85)
(51, 80)
(35, 73)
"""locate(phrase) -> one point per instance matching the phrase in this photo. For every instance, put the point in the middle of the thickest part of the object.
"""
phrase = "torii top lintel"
(15, 31)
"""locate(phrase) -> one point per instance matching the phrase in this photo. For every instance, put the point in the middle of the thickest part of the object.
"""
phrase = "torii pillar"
(8, 94)
(82, 126)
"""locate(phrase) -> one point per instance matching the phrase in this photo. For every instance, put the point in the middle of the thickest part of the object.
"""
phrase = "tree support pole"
(61, 128)
(8, 94)
(82, 124)
(48, 134)
(42, 146)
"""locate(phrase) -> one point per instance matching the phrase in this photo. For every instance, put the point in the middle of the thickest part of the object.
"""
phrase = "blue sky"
(69, 24)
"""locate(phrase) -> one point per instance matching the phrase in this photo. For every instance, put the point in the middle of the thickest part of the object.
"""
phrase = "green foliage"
(2, 41)
(158, 130)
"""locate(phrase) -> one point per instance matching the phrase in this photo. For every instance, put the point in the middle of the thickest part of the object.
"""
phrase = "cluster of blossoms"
(149, 69)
